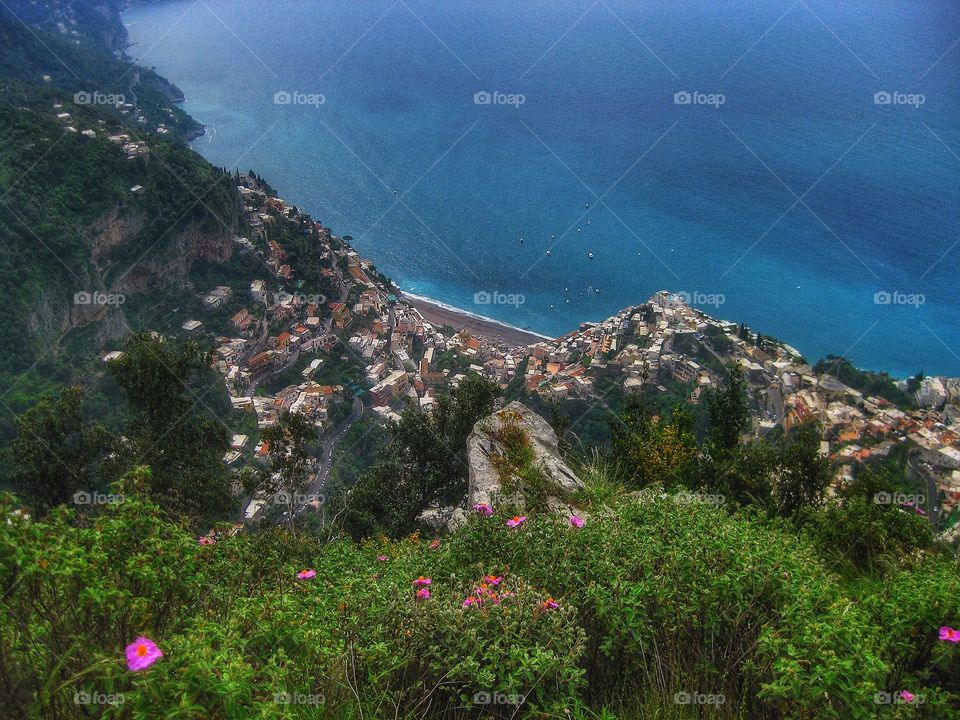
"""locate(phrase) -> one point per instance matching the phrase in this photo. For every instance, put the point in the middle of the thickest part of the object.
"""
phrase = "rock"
(482, 447)
(445, 518)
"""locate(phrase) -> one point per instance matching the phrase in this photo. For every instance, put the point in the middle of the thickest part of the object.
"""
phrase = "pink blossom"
(493, 580)
(204, 540)
(470, 601)
(483, 509)
(422, 581)
(949, 634)
(306, 574)
(907, 695)
(382, 558)
(516, 521)
(434, 544)
(423, 594)
(550, 604)
(142, 653)
(576, 521)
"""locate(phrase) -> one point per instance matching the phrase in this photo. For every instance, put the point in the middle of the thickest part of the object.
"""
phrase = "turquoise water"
(797, 199)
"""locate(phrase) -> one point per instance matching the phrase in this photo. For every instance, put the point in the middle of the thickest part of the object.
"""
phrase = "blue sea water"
(796, 200)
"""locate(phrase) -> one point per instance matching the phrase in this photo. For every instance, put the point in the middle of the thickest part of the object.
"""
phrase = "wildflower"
(434, 544)
(550, 604)
(382, 558)
(576, 521)
(142, 653)
(204, 540)
(470, 601)
(483, 509)
(907, 696)
(493, 580)
(306, 574)
(949, 634)
(516, 521)
(423, 594)
(422, 581)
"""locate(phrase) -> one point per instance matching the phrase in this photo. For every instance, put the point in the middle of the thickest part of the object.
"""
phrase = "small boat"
(590, 255)
(549, 253)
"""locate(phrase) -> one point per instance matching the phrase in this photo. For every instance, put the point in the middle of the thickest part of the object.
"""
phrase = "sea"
(790, 164)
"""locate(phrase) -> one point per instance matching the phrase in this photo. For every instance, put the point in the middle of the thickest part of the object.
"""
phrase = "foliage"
(869, 383)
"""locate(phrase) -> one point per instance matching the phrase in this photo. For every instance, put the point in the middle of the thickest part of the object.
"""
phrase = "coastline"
(440, 313)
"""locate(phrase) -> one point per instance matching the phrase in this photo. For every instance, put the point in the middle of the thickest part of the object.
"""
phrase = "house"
(341, 314)
(258, 290)
(241, 321)
(192, 326)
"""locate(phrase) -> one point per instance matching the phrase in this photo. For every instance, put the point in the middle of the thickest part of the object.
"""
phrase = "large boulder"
(486, 452)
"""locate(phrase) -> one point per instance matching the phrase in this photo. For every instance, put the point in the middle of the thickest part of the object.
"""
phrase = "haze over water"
(797, 199)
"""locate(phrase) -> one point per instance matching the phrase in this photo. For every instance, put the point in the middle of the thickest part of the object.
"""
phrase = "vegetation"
(869, 383)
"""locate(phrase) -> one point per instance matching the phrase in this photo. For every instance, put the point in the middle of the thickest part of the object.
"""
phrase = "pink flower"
(483, 509)
(907, 695)
(576, 521)
(493, 580)
(949, 634)
(516, 521)
(382, 558)
(422, 581)
(423, 594)
(204, 540)
(470, 601)
(142, 653)
(550, 604)
(306, 574)
(434, 544)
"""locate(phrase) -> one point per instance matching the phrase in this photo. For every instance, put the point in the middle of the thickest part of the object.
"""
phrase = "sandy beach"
(482, 327)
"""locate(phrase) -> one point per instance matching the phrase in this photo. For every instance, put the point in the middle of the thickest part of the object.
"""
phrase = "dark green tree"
(55, 452)
(802, 474)
(172, 431)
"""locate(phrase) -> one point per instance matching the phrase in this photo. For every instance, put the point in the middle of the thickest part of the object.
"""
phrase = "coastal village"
(403, 357)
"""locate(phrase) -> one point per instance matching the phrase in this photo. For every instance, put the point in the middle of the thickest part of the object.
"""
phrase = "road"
(326, 454)
(933, 492)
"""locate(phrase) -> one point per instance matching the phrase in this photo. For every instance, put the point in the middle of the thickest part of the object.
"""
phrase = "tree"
(55, 453)
(729, 414)
(170, 433)
(289, 441)
(802, 474)
(424, 464)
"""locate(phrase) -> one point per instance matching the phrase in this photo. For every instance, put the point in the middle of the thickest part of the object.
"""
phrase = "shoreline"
(440, 313)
